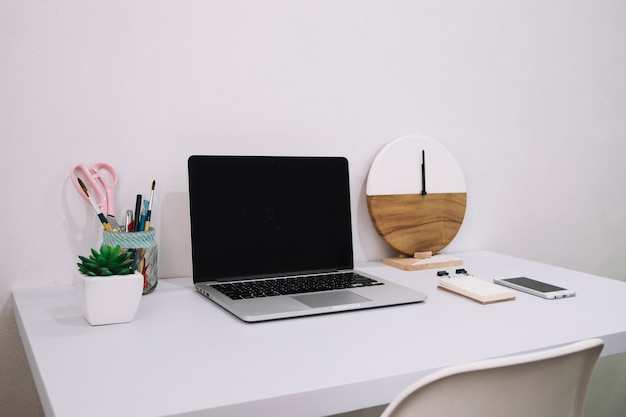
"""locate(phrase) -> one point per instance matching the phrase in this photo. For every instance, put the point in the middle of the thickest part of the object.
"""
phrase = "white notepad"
(475, 289)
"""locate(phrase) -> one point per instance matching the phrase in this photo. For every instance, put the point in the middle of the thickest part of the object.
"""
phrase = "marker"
(137, 213)
(149, 212)
(103, 219)
(142, 219)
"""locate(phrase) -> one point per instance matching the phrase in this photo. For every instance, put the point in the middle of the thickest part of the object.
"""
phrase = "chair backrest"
(547, 383)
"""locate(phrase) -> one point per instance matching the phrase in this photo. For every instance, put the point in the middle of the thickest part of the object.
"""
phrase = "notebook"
(473, 288)
(261, 222)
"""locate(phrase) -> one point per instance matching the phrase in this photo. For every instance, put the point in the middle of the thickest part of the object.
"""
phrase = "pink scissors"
(100, 179)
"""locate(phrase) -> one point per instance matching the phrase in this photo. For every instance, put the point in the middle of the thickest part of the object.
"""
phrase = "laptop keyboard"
(294, 285)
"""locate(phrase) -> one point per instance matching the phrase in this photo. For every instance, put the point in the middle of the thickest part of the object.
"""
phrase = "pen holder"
(145, 252)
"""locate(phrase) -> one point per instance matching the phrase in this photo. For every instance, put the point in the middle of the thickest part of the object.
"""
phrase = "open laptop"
(258, 223)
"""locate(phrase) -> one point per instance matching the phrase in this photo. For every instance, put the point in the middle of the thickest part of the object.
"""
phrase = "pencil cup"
(145, 252)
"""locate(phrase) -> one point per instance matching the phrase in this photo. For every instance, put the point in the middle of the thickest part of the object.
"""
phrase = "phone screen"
(533, 284)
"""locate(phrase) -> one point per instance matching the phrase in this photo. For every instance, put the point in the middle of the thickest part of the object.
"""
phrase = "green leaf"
(105, 251)
(127, 264)
(122, 257)
(104, 272)
(115, 252)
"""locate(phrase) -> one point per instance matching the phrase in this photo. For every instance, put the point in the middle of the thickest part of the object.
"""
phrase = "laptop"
(271, 238)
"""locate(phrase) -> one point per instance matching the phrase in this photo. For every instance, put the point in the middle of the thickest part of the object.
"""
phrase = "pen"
(103, 219)
(137, 213)
(149, 212)
(423, 172)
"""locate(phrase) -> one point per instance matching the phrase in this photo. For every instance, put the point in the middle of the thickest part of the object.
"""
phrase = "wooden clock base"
(423, 260)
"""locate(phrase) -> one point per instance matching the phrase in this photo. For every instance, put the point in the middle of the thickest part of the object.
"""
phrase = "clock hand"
(424, 172)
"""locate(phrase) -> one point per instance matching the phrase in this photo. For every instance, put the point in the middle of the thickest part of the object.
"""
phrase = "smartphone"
(534, 287)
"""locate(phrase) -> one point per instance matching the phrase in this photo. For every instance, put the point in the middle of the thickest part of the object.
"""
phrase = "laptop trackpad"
(327, 299)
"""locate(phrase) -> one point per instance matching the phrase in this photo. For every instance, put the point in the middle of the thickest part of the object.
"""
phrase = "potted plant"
(108, 287)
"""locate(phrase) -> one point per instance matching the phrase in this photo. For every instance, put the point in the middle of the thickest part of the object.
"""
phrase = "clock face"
(416, 195)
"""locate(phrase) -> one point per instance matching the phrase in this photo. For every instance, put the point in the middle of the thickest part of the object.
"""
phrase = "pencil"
(103, 219)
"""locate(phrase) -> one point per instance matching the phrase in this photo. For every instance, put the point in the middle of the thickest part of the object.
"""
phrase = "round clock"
(416, 195)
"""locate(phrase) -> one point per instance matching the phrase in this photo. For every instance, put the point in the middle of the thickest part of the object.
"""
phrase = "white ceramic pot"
(109, 300)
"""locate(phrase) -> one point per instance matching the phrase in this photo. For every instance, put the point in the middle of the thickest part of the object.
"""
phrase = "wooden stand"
(423, 260)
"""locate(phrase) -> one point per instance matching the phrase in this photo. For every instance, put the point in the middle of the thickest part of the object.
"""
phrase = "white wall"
(529, 95)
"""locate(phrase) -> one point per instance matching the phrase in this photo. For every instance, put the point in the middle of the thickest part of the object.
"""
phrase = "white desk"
(185, 356)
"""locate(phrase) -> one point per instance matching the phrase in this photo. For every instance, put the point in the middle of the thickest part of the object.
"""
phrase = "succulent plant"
(109, 261)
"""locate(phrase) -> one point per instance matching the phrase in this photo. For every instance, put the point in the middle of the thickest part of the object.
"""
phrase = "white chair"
(547, 383)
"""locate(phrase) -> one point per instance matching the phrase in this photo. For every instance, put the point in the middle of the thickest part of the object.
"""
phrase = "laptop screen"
(259, 216)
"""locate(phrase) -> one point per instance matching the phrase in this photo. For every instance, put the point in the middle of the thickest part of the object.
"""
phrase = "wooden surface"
(474, 299)
(412, 223)
(417, 264)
